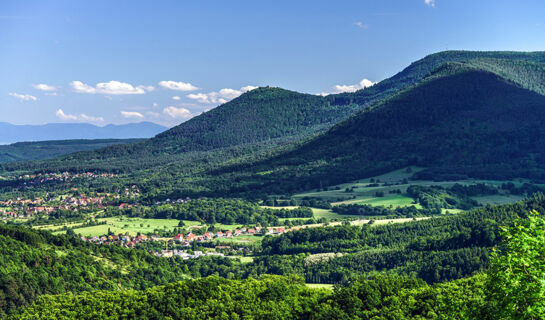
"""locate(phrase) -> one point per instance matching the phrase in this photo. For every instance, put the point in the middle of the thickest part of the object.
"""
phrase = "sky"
(166, 61)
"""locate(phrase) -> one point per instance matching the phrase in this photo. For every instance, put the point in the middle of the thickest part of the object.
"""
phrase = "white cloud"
(131, 114)
(178, 113)
(221, 96)
(81, 87)
(430, 3)
(23, 97)
(112, 87)
(82, 117)
(61, 115)
(178, 86)
(155, 105)
(364, 83)
(51, 94)
(147, 88)
(85, 117)
(44, 87)
(176, 98)
(361, 25)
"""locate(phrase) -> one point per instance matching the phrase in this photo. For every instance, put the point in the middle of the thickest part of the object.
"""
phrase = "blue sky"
(166, 61)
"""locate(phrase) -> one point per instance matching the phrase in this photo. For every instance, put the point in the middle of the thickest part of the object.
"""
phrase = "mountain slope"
(420, 69)
(259, 115)
(65, 131)
(461, 121)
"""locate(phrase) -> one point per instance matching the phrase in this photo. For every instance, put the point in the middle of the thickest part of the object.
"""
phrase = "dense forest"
(450, 124)
(509, 290)
(227, 211)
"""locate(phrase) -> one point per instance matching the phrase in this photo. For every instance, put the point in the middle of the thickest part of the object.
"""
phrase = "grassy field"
(130, 225)
(362, 193)
(320, 286)
(394, 200)
(497, 199)
(240, 239)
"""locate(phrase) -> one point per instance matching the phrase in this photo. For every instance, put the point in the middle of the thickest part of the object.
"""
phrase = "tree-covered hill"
(259, 115)
(458, 112)
(461, 121)
(420, 69)
(270, 114)
(35, 263)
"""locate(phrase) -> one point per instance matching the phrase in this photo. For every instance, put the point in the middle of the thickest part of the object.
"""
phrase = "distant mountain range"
(21, 151)
(10, 133)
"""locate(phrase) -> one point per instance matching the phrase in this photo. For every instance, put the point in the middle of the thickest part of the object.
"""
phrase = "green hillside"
(422, 68)
(36, 262)
(273, 116)
(461, 121)
(458, 113)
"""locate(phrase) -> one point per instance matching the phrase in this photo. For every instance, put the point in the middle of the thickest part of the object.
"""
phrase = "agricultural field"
(320, 286)
(363, 192)
(131, 226)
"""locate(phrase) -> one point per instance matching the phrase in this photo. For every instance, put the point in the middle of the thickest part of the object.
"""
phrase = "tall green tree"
(516, 281)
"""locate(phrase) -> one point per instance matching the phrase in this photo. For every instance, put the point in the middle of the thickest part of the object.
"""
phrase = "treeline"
(511, 289)
(36, 263)
(368, 210)
(211, 211)
(271, 297)
(456, 196)
(436, 249)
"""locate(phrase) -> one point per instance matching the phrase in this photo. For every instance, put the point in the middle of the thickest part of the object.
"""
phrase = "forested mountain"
(459, 113)
(64, 131)
(48, 149)
(423, 67)
(461, 121)
(266, 114)
(259, 115)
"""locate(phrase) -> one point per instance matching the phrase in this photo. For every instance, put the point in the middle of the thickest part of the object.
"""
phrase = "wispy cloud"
(361, 25)
(177, 113)
(340, 88)
(82, 117)
(221, 96)
(178, 85)
(112, 87)
(23, 97)
(430, 3)
(176, 98)
(132, 114)
(44, 87)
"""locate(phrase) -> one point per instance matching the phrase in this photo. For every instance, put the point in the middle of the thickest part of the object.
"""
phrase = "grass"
(395, 200)
(243, 259)
(362, 193)
(320, 286)
(240, 239)
(131, 226)
(497, 199)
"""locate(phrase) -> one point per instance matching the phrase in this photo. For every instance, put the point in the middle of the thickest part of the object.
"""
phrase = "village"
(27, 208)
(185, 240)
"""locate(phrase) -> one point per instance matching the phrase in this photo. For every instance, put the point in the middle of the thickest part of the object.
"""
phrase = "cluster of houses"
(131, 242)
(41, 178)
(26, 208)
(185, 255)
(123, 240)
(190, 237)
